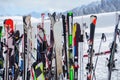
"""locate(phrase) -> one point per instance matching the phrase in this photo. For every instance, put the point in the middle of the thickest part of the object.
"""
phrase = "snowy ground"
(105, 24)
(101, 69)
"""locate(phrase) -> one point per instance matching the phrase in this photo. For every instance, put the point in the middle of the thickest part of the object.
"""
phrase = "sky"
(15, 7)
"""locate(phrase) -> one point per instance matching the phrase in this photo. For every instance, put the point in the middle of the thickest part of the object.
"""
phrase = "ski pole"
(103, 38)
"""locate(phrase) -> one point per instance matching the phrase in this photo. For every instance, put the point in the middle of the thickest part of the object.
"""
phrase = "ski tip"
(42, 14)
(94, 16)
(70, 13)
(93, 19)
(63, 16)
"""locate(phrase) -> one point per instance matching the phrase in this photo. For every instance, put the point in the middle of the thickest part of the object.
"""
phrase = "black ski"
(64, 50)
(89, 66)
(111, 60)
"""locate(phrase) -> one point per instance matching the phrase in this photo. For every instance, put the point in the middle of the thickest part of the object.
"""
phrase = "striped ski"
(76, 35)
(70, 51)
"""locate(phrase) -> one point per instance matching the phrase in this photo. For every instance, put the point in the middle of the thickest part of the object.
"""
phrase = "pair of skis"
(12, 50)
(26, 26)
(111, 60)
(89, 66)
(64, 50)
(50, 71)
(52, 51)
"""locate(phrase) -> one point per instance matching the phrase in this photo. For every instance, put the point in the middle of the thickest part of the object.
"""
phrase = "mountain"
(38, 14)
(35, 14)
(97, 7)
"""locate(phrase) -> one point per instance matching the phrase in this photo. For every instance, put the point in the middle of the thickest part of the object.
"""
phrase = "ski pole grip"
(103, 37)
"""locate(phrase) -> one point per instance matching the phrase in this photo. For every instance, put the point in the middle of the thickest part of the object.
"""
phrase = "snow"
(105, 24)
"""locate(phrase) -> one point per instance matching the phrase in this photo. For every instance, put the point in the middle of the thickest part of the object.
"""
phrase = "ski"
(70, 51)
(41, 52)
(111, 60)
(1, 56)
(76, 36)
(42, 16)
(30, 58)
(9, 28)
(89, 66)
(52, 51)
(80, 53)
(7, 56)
(16, 41)
(26, 25)
(64, 50)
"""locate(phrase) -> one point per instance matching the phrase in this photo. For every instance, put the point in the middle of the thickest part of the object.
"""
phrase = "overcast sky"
(14, 7)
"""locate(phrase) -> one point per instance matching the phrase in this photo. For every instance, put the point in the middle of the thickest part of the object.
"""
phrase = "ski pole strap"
(103, 37)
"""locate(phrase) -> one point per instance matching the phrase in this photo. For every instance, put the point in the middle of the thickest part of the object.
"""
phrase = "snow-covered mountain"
(97, 7)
